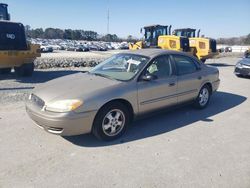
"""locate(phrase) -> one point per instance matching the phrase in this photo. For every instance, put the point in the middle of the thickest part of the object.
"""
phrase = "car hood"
(76, 86)
(245, 61)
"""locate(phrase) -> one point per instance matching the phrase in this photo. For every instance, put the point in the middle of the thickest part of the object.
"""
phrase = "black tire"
(101, 117)
(5, 70)
(201, 103)
(203, 60)
(25, 70)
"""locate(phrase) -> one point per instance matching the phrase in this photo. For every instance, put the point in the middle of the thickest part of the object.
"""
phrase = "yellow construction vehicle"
(15, 51)
(151, 34)
(205, 47)
(159, 36)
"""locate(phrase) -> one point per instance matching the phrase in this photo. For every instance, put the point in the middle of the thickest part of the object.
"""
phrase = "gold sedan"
(105, 100)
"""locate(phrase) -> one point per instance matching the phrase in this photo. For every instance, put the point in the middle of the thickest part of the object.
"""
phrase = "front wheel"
(203, 97)
(111, 121)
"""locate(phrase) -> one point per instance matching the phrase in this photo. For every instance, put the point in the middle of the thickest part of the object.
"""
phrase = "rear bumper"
(64, 124)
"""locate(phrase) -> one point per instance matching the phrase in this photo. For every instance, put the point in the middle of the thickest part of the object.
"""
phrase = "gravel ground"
(181, 148)
(63, 59)
(72, 59)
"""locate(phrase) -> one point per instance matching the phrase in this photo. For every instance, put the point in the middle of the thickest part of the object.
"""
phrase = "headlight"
(239, 65)
(63, 105)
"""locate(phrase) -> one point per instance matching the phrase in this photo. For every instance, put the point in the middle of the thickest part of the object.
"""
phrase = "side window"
(184, 65)
(161, 67)
(202, 45)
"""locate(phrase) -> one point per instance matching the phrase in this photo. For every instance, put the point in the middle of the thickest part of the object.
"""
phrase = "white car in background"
(45, 48)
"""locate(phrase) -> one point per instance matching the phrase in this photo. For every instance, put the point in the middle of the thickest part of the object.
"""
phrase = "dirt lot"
(181, 148)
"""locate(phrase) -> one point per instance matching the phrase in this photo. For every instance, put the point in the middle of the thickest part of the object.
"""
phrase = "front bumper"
(245, 71)
(216, 85)
(64, 124)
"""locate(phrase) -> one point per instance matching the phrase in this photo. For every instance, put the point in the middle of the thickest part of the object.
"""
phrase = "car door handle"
(199, 77)
(172, 84)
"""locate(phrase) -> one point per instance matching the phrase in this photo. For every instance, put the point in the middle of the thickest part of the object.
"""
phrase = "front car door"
(161, 91)
(189, 77)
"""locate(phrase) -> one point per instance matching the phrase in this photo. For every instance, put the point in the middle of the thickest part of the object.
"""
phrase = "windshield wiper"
(103, 75)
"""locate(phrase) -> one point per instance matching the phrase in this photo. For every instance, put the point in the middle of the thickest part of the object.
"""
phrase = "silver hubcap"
(204, 96)
(113, 122)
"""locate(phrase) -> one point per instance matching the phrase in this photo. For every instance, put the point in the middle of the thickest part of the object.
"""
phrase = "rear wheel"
(25, 69)
(111, 121)
(203, 97)
(5, 70)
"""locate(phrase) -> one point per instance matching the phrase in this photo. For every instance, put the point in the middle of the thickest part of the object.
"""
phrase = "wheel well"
(124, 102)
(209, 86)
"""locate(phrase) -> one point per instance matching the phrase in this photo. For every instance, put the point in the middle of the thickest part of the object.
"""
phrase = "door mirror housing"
(148, 77)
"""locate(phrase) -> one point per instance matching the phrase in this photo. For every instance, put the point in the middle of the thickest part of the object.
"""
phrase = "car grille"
(37, 101)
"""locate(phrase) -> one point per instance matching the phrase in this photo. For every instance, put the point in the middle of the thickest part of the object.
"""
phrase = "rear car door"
(189, 77)
(161, 91)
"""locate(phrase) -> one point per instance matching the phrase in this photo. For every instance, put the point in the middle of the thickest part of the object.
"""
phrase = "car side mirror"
(149, 77)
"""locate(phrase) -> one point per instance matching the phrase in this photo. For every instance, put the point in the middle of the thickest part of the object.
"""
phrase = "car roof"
(153, 52)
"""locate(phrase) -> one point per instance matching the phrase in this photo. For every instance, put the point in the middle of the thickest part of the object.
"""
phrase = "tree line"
(235, 40)
(55, 33)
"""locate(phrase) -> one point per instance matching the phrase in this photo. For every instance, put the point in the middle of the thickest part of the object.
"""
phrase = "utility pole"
(108, 18)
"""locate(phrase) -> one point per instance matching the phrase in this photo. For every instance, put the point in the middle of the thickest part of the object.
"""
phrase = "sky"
(215, 18)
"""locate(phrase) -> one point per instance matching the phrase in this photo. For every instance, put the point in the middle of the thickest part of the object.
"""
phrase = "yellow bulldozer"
(15, 51)
(160, 36)
(205, 47)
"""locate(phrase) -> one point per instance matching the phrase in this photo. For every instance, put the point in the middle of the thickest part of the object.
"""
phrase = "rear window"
(184, 65)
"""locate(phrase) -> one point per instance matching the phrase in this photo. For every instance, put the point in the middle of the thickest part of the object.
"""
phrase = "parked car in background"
(97, 47)
(46, 49)
(221, 50)
(80, 48)
(242, 68)
(62, 47)
(105, 100)
(65, 44)
(124, 46)
(70, 48)
(228, 49)
(247, 53)
(83, 48)
(93, 47)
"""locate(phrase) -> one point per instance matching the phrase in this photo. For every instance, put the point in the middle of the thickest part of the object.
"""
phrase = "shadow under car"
(166, 121)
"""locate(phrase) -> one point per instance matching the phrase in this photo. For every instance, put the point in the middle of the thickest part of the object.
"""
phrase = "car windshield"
(121, 67)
